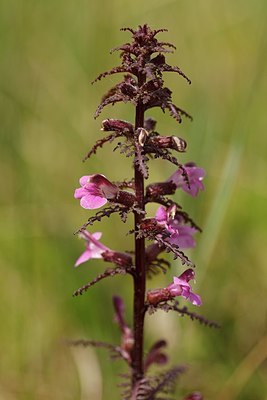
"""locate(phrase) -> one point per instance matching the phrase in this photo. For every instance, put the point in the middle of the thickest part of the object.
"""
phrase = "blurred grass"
(50, 51)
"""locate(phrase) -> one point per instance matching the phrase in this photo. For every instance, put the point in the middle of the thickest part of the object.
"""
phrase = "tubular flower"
(95, 191)
(165, 216)
(94, 249)
(179, 287)
(195, 177)
(180, 234)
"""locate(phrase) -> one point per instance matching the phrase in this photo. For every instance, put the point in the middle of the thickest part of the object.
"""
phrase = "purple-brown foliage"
(170, 230)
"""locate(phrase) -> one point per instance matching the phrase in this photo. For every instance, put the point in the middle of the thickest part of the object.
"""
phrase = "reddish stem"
(140, 271)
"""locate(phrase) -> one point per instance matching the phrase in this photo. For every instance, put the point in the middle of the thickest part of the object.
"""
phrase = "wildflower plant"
(170, 230)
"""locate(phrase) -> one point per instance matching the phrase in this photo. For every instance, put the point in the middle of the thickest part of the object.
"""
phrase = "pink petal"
(181, 282)
(97, 235)
(96, 252)
(195, 299)
(176, 178)
(93, 189)
(196, 176)
(86, 236)
(193, 190)
(84, 180)
(184, 241)
(175, 290)
(85, 256)
(91, 202)
(161, 215)
(198, 173)
(187, 230)
(186, 292)
(79, 193)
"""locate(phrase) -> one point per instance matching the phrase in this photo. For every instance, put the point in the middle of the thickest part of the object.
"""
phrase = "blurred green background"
(50, 51)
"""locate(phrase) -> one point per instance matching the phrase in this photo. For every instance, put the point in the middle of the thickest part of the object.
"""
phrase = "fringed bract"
(174, 306)
(110, 272)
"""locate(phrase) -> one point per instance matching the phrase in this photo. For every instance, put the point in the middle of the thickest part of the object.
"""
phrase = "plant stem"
(140, 271)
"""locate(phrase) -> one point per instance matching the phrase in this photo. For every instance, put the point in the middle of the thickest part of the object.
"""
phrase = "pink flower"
(181, 287)
(181, 234)
(94, 249)
(165, 216)
(184, 239)
(95, 191)
(195, 177)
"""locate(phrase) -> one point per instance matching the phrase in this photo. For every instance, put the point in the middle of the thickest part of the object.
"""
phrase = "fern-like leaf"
(105, 212)
(99, 143)
(110, 272)
(141, 160)
(115, 351)
(157, 387)
(173, 305)
(177, 253)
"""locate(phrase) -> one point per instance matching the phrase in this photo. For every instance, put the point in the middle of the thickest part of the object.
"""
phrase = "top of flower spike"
(144, 37)
(136, 56)
(139, 61)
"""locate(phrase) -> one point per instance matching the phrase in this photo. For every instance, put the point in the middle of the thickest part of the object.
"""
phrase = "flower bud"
(125, 198)
(160, 189)
(142, 136)
(117, 125)
(179, 144)
(121, 259)
(156, 296)
(168, 142)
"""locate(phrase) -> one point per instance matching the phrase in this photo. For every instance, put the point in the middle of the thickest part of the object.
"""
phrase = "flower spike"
(143, 67)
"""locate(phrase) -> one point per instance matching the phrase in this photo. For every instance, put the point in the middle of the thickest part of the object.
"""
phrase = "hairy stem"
(140, 272)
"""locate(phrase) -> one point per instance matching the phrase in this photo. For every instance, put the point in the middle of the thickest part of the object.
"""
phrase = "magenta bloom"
(181, 234)
(94, 249)
(181, 287)
(165, 217)
(95, 191)
(195, 176)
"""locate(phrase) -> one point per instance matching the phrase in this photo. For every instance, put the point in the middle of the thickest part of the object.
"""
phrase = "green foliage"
(50, 51)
